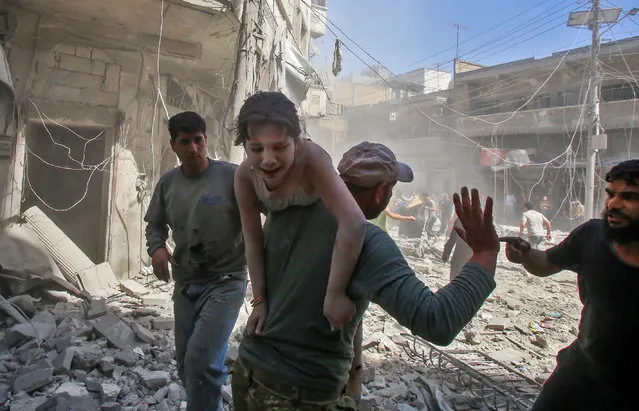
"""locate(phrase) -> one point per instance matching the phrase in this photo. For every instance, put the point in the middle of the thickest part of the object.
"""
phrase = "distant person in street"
(598, 371)
(430, 213)
(534, 223)
(545, 206)
(283, 169)
(298, 363)
(577, 212)
(197, 202)
(445, 213)
(382, 220)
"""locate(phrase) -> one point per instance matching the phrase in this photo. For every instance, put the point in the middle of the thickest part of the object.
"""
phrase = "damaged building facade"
(533, 118)
(87, 88)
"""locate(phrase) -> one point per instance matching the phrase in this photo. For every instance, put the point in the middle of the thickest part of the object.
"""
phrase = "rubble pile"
(94, 354)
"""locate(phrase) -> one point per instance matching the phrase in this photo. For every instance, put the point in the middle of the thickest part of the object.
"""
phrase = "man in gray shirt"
(297, 362)
(197, 202)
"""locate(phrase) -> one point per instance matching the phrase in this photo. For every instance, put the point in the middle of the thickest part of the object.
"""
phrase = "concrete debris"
(94, 308)
(133, 288)
(34, 377)
(155, 300)
(155, 379)
(25, 303)
(118, 353)
(163, 323)
(109, 392)
(116, 332)
(142, 333)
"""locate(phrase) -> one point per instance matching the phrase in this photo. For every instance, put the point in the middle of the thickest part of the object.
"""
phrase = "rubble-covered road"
(118, 353)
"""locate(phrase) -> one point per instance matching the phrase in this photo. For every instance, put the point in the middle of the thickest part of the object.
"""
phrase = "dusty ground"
(63, 358)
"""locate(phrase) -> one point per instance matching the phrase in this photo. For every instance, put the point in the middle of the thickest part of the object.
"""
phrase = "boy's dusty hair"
(267, 107)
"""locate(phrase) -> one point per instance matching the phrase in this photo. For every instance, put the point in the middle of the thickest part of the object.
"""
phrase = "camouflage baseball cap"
(368, 164)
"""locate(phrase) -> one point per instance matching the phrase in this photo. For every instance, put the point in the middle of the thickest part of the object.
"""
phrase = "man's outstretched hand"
(479, 231)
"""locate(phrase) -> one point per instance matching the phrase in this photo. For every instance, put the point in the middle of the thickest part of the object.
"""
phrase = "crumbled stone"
(126, 358)
(155, 379)
(109, 392)
(34, 377)
(142, 333)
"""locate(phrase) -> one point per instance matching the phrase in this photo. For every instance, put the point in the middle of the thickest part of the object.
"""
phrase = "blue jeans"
(205, 315)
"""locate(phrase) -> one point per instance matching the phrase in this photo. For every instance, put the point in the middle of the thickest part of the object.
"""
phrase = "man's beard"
(621, 235)
(374, 210)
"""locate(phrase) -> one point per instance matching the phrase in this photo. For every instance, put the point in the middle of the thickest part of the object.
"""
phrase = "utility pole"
(459, 27)
(593, 100)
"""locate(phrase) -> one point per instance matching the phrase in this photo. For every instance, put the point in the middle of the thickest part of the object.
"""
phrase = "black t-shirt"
(609, 290)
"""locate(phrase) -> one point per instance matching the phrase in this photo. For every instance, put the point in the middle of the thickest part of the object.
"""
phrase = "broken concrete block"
(115, 331)
(142, 333)
(155, 299)
(163, 323)
(27, 403)
(95, 308)
(62, 343)
(368, 374)
(21, 333)
(395, 391)
(4, 393)
(133, 288)
(27, 351)
(512, 303)
(73, 390)
(161, 394)
(379, 382)
(62, 363)
(24, 303)
(107, 364)
(34, 377)
(126, 358)
(174, 392)
(109, 392)
(499, 324)
(110, 406)
(155, 379)
(98, 279)
(93, 385)
(539, 341)
(163, 406)
(368, 403)
(87, 357)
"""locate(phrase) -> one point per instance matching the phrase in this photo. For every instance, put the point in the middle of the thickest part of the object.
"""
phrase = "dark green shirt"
(203, 215)
(297, 344)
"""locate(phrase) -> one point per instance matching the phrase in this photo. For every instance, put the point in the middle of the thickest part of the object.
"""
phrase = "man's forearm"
(155, 238)
(536, 263)
(438, 317)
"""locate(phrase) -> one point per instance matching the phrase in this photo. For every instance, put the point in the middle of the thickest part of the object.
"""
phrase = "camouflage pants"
(250, 395)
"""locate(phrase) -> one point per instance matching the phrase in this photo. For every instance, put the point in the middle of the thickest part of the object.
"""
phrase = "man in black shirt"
(598, 371)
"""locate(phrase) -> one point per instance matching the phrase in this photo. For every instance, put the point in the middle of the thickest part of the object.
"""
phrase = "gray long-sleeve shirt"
(203, 214)
(297, 344)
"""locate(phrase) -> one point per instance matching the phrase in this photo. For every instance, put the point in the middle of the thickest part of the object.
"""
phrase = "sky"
(408, 34)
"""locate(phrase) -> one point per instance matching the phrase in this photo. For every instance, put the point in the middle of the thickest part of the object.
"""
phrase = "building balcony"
(614, 115)
(318, 19)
